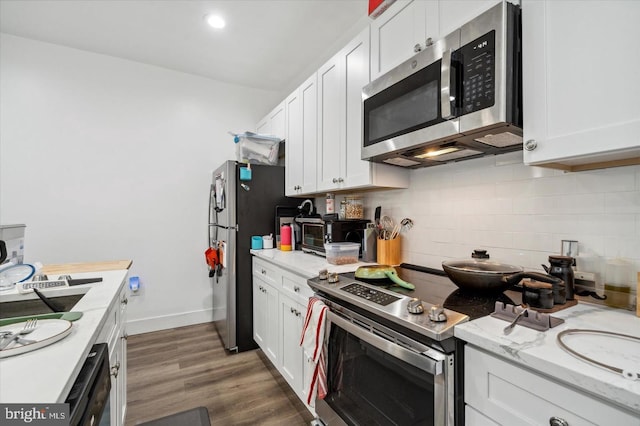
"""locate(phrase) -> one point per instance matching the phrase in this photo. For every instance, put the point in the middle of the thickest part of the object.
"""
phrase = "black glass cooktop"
(433, 286)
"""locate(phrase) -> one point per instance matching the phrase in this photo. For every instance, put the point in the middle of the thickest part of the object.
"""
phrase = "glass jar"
(354, 208)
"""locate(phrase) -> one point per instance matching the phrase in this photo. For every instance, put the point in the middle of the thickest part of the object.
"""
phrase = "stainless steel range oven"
(391, 356)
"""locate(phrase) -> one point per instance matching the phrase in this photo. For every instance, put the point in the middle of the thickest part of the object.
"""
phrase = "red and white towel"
(312, 342)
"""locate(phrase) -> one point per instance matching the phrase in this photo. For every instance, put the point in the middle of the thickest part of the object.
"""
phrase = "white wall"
(518, 213)
(108, 159)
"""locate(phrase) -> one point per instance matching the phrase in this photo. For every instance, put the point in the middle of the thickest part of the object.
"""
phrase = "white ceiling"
(266, 43)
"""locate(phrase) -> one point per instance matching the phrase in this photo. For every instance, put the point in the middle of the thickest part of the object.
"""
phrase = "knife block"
(389, 252)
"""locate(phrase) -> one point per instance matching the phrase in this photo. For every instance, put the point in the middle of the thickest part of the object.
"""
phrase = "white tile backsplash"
(518, 213)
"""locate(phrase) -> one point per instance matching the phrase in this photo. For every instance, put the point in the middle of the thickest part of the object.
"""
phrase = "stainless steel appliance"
(89, 397)
(392, 358)
(460, 98)
(315, 232)
(239, 209)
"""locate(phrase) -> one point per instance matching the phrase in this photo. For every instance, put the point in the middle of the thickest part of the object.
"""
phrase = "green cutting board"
(69, 316)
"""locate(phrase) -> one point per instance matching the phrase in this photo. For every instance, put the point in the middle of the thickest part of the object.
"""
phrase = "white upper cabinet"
(455, 13)
(274, 123)
(301, 108)
(340, 83)
(409, 26)
(399, 33)
(580, 83)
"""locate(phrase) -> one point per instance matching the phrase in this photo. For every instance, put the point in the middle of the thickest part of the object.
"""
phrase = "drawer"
(296, 287)
(510, 394)
(267, 271)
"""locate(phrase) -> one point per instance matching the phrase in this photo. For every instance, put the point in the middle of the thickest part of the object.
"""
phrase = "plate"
(48, 331)
(15, 274)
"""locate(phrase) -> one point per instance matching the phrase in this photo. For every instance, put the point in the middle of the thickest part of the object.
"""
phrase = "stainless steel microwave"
(460, 98)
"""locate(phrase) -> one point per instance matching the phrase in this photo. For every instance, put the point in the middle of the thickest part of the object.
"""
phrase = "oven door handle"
(423, 361)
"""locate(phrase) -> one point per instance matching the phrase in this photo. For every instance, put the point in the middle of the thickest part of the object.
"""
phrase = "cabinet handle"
(296, 288)
(297, 313)
(292, 310)
(557, 421)
(264, 272)
(334, 180)
(530, 145)
(125, 301)
(125, 336)
(340, 180)
(428, 42)
(417, 48)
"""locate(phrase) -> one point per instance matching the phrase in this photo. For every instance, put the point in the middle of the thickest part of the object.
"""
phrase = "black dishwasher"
(88, 398)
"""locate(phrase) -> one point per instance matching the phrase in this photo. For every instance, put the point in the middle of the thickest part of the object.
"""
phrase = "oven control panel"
(370, 294)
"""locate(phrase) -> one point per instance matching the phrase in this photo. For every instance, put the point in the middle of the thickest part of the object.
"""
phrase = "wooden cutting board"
(74, 268)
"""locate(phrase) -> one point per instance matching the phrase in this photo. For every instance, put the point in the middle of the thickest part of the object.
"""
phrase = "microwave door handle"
(445, 85)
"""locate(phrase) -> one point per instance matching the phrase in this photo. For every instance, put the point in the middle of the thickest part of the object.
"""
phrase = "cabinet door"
(259, 312)
(291, 317)
(396, 33)
(122, 367)
(356, 171)
(272, 322)
(455, 13)
(264, 126)
(309, 116)
(278, 121)
(331, 95)
(580, 92)
(293, 145)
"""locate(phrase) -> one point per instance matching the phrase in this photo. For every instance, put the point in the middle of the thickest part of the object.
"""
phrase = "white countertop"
(46, 375)
(540, 350)
(304, 264)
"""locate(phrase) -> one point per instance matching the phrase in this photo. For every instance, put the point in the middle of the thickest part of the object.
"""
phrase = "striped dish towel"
(312, 342)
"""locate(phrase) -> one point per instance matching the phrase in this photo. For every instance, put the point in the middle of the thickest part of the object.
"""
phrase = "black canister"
(537, 294)
(561, 267)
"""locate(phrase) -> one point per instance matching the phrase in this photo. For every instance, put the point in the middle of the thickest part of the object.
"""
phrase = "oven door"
(376, 376)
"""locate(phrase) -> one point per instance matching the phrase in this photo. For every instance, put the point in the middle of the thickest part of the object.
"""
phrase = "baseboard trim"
(165, 322)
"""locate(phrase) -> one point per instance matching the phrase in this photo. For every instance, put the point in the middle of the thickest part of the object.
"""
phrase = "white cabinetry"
(340, 83)
(497, 391)
(273, 123)
(406, 27)
(291, 294)
(400, 32)
(265, 311)
(114, 333)
(580, 89)
(301, 108)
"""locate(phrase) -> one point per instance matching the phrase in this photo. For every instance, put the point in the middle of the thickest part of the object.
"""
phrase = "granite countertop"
(47, 374)
(540, 351)
(304, 264)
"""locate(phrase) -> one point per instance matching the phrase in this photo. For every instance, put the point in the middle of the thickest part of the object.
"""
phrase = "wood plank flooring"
(174, 370)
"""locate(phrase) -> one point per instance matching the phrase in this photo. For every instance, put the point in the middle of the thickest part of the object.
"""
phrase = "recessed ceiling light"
(215, 21)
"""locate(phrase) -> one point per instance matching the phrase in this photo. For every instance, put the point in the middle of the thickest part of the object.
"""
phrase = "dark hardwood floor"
(174, 370)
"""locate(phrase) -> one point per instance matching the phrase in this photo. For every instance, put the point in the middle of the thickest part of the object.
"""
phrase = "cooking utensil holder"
(389, 252)
(531, 319)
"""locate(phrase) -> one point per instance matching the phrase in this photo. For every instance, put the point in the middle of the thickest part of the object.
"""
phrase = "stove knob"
(436, 314)
(414, 306)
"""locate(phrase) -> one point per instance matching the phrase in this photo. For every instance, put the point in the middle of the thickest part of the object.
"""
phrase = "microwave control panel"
(477, 61)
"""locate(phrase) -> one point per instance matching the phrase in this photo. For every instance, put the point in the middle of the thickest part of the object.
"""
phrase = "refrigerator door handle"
(234, 227)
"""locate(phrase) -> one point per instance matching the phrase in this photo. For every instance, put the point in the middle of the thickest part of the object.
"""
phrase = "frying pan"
(484, 276)
(377, 273)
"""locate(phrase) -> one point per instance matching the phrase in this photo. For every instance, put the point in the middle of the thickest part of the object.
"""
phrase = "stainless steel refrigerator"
(238, 209)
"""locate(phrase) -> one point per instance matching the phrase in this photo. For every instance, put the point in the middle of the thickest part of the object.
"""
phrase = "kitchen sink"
(36, 306)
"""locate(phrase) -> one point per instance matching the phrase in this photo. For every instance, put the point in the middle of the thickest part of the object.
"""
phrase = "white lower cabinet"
(290, 297)
(265, 317)
(499, 392)
(114, 333)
